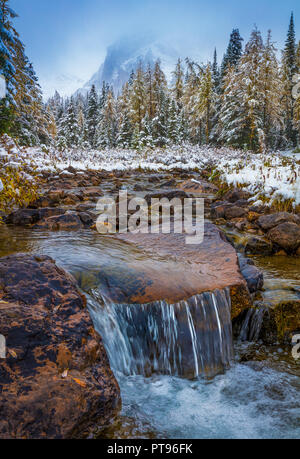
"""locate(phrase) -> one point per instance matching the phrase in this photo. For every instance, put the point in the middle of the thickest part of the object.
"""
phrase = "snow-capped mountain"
(125, 55)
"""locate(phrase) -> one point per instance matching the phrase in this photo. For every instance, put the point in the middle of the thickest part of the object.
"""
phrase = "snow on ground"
(274, 175)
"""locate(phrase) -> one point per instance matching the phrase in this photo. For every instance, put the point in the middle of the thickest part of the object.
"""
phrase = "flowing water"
(164, 356)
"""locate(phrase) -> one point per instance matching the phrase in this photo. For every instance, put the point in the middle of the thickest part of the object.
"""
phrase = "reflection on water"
(248, 401)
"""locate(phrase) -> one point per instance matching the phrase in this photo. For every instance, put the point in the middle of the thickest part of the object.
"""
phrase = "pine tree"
(233, 52)
(106, 133)
(273, 121)
(138, 98)
(7, 69)
(289, 69)
(177, 89)
(216, 73)
(92, 116)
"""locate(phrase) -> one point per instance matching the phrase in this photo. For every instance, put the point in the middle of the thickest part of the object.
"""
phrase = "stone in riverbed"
(236, 195)
(254, 277)
(286, 236)
(56, 381)
(258, 246)
(267, 222)
(234, 212)
(167, 194)
(66, 222)
(180, 271)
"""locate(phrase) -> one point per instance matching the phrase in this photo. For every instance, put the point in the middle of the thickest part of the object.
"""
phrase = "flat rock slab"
(174, 271)
(56, 381)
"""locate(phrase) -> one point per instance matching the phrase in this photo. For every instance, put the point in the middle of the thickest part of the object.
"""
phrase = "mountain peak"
(125, 55)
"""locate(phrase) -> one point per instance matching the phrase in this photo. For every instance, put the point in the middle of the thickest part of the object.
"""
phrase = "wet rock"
(267, 222)
(167, 194)
(286, 236)
(254, 277)
(67, 222)
(258, 246)
(236, 195)
(86, 218)
(91, 192)
(50, 212)
(190, 270)
(23, 217)
(281, 323)
(169, 184)
(56, 381)
(234, 212)
(85, 207)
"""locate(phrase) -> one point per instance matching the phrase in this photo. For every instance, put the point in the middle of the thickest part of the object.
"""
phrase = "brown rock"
(56, 381)
(268, 222)
(235, 212)
(235, 195)
(66, 222)
(201, 186)
(258, 246)
(167, 194)
(196, 268)
(253, 216)
(286, 236)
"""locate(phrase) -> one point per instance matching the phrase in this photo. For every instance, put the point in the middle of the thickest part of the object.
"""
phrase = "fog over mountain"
(125, 55)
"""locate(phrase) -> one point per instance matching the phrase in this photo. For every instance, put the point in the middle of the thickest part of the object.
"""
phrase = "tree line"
(249, 101)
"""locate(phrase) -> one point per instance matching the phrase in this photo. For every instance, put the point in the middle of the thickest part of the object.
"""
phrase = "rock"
(261, 209)
(298, 252)
(253, 216)
(234, 212)
(195, 186)
(56, 381)
(267, 222)
(254, 277)
(85, 206)
(86, 218)
(236, 195)
(50, 212)
(218, 212)
(281, 322)
(23, 217)
(198, 268)
(169, 184)
(91, 192)
(167, 194)
(258, 246)
(286, 236)
(67, 222)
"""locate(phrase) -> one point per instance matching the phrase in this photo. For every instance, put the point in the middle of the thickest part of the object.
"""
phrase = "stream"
(178, 379)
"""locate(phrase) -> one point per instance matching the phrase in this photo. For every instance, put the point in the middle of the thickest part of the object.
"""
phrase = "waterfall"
(252, 324)
(191, 338)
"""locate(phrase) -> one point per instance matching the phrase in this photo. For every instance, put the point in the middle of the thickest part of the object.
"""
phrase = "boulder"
(286, 236)
(236, 195)
(167, 194)
(198, 186)
(66, 222)
(254, 277)
(86, 218)
(234, 212)
(56, 381)
(218, 211)
(267, 222)
(179, 270)
(23, 217)
(258, 246)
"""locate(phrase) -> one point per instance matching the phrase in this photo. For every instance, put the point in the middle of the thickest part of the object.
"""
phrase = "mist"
(67, 39)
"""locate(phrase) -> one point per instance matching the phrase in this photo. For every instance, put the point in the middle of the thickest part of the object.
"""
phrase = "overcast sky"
(67, 39)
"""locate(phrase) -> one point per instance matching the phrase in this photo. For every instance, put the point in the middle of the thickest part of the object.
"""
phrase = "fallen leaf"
(78, 381)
